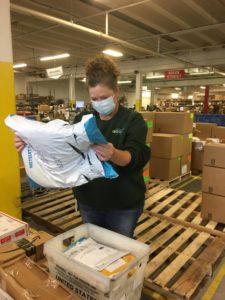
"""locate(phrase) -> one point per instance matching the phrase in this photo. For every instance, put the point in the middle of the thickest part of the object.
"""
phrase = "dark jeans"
(119, 220)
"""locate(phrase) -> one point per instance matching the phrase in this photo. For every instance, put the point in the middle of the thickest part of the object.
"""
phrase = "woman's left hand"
(104, 151)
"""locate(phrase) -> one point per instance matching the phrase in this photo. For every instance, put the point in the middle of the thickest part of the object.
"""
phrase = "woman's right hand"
(19, 143)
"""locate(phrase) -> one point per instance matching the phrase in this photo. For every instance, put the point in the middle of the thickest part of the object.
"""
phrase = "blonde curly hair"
(101, 70)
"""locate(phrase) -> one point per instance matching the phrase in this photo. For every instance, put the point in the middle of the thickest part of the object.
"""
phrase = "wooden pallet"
(56, 210)
(183, 209)
(181, 257)
(173, 181)
(153, 188)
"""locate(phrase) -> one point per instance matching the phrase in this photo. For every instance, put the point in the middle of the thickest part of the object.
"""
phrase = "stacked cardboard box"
(219, 133)
(171, 146)
(149, 119)
(197, 156)
(166, 156)
(213, 188)
(204, 130)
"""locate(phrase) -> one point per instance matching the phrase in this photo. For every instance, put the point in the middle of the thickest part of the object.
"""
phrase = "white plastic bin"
(88, 283)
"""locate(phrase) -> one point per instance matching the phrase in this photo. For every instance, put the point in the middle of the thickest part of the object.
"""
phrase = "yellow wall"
(9, 161)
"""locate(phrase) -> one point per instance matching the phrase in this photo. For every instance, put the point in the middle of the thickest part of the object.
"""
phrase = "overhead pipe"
(43, 16)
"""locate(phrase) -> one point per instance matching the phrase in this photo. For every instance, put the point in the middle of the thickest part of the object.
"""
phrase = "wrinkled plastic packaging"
(59, 155)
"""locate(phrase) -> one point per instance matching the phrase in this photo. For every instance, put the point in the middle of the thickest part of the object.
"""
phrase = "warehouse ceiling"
(143, 29)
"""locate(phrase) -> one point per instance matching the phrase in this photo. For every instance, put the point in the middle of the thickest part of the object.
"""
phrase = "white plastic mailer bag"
(59, 155)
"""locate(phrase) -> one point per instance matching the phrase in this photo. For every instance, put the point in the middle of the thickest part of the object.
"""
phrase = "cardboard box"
(214, 155)
(213, 207)
(166, 145)
(31, 246)
(24, 279)
(197, 161)
(213, 181)
(173, 122)
(185, 164)
(166, 169)
(44, 108)
(204, 130)
(219, 132)
(149, 119)
(11, 229)
(186, 144)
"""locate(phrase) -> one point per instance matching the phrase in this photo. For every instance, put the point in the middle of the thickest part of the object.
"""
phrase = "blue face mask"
(104, 107)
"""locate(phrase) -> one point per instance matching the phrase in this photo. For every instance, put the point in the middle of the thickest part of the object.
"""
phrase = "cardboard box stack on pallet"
(149, 119)
(171, 145)
(203, 132)
(213, 188)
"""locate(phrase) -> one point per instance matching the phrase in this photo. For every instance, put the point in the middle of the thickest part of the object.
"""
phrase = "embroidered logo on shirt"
(118, 131)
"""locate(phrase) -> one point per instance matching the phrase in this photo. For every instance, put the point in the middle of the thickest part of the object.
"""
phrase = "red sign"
(174, 74)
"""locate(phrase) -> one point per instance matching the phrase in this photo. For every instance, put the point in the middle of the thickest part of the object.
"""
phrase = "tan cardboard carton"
(13, 251)
(185, 164)
(166, 169)
(149, 119)
(166, 145)
(44, 108)
(24, 279)
(213, 207)
(214, 155)
(187, 144)
(204, 130)
(197, 161)
(173, 122)
(213, 181)
(219, 132)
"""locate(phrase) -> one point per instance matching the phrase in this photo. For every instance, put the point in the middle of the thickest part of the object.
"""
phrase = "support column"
(152, 100)
(72, 91)
(9, 171)
(138, 103)
(206, 100)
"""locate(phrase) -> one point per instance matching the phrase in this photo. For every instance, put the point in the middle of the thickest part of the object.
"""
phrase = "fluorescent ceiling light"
(157, 88)
(17, 66)
(223, 84)
(112, 52)
(174, 96)
(202, 87)
(177, 89)
(124, 81)
(154, 76)
(221, 73)
(83, 80)
(201, 73)
(53, 57)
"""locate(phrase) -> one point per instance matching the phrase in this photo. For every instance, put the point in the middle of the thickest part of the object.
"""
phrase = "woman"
(115, 204)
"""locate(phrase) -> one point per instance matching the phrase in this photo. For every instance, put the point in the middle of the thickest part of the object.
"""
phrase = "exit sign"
(174, 74)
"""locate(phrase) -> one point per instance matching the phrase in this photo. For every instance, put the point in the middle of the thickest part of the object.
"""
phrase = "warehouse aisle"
(191, 184)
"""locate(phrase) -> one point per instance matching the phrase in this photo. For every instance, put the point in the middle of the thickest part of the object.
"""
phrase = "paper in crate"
(92, 284)
(11, 229)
